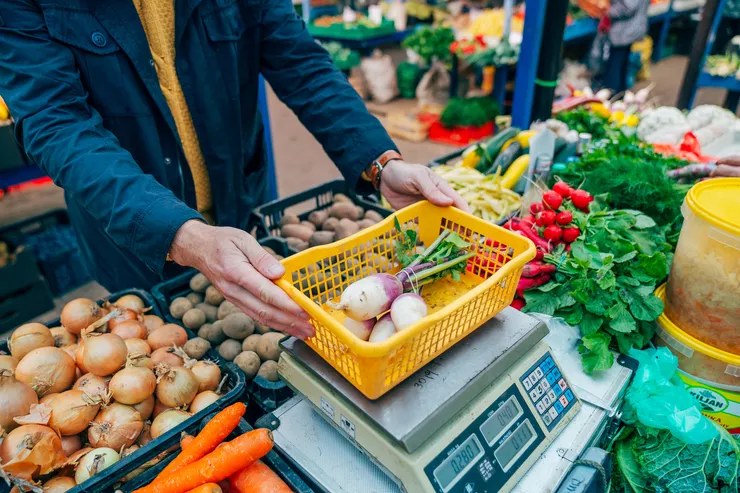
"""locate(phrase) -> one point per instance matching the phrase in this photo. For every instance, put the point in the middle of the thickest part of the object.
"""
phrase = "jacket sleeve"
(65, 136)
(624, 9)
(303, 76)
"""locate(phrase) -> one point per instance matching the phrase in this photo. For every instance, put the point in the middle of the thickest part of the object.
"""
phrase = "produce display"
(343, 58)
(464, 112)
(668, 125)
(79, 397)
(723, 65)
(431, 43)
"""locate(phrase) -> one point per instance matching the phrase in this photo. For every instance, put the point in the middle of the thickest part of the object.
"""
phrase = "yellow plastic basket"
(456, 308)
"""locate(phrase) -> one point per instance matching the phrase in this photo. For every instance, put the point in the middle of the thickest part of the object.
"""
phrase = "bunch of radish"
(549, 224)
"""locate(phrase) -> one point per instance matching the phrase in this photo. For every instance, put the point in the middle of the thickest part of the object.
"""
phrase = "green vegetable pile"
(343, 58)
(503, 54)
(582, 120)
(431, 43)
(605, 283)
(462, 112)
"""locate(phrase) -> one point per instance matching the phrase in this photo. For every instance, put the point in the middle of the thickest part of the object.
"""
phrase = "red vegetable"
(547, 218)
(562, 189)
(528, 219)
(540, 254)
(536, 207)
(526, 283)
(534, 269)
(564, 217)
(571, 234)
(530, 234)
(518, 304)
(553, 200)
(553, 233)
(580, 198)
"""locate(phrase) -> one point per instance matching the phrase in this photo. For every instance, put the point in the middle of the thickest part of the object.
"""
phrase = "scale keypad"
(548, 391)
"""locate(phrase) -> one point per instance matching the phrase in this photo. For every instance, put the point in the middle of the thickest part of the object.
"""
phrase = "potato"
(296, 231)
(210, 311)
(345, 228)
(340, 197)
(261, 329)
(229, 349)
(318, 218)
(248, 362)
(199, 283)
(289, 219)
(379, 263)
(195, 298)
(226, 309)
(342, 210)
(268, 347)
(238, 326)
(213, 333)
(214, 296)
(374, 216)
(197, 347)
(330, 224)
(194, 318)
(297, 244)
(321, 238)
(250, 343)
(179, 307)
(364, 223)
(360, 211)
(268, 371)
(309, 225)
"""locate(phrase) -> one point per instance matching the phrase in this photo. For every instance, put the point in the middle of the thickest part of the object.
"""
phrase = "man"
(627, 24)
(145, 112)
(727, 167)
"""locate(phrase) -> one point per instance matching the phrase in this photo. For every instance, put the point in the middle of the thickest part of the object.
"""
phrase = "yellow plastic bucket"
(720, 405)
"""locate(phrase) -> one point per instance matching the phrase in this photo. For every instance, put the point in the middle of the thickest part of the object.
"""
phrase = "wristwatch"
(372, 173)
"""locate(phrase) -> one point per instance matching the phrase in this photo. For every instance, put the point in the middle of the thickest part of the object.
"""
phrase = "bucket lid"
(717, 201)
(690, 341)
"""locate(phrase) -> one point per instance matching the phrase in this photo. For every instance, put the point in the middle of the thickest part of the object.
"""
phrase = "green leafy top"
(469, 111)
(583, 120)
(431, 42)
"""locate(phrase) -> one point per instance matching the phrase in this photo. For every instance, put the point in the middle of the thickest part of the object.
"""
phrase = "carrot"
(231, 458)
(186, 440)
(258, 478)
(209, 437)
(207, 488)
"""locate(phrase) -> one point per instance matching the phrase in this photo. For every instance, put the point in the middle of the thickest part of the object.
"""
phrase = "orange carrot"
(258, 478)
(219, 464)
(209, 437)
(207, 488)
(185, 441)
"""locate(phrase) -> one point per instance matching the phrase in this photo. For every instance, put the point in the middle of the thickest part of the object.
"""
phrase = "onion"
(59, 484)
(16, 399)
(208, 374)
(80, 356)
(47, 399)
(7, 362)
(125, 314)
(46, 370)
(167, 336)
(104, 354)
(37, 448)
(71, 444)
(166, 421)
(95, 461)
(137, 346)
(130, 329)
(79, 314)
(145, 407)
(159, 408)
(28, 337)
(72, 411)
(152, 322)
(116, 426)
(176, 386)
(71, 350)
(132, 385)
(203, 400)
(131, 302)
(92, 385)
(62, 337)
(167, 355)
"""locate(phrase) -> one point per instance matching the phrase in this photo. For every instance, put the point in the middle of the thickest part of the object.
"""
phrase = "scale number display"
(515, 445)
(457, 464)
(499, 422)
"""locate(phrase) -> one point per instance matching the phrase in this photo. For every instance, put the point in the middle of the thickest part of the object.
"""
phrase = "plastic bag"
(658, 398)
(380, 77)
(598, 54)
(434, 87)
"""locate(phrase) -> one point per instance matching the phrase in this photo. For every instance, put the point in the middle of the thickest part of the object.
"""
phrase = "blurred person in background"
(626, 22)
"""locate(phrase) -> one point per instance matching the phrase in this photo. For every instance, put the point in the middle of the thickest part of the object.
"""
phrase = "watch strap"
(373, 172)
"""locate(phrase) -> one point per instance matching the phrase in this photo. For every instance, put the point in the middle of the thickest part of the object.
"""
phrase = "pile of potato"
(342, 219)
(253, 347)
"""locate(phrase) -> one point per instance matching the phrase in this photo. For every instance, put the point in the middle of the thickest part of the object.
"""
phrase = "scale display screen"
(457, 464)
(499, 421)
(515, 445)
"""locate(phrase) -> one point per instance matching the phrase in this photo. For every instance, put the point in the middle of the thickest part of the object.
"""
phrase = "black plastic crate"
(317, 198)
(24, 304)
(21, 273)
(105, 480)
(266, 396)
(448, 157)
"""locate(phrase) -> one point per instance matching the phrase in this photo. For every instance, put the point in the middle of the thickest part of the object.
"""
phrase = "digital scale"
(474, 420)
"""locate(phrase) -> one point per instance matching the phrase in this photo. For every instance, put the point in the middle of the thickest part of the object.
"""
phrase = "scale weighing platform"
(475, 419)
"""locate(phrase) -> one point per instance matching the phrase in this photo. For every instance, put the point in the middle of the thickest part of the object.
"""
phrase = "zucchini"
(505, 158)
(515, 172)
(570, 150)
(493, 147)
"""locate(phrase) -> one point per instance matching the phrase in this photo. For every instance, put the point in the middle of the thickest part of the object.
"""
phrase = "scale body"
(473, 420)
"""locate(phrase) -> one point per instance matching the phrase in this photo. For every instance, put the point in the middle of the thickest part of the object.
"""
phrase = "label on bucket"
(719, 405)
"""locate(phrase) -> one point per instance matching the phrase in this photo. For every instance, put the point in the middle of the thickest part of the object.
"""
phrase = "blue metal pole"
(664, 29)
(272, 189)
(306, 10)
(529, 56)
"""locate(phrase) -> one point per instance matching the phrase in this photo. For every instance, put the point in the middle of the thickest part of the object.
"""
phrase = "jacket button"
(167, 161)
(98, 39)
(151, 62)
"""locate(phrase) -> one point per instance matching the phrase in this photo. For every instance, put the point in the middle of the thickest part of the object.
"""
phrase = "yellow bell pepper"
(515, 171)
(600, 109)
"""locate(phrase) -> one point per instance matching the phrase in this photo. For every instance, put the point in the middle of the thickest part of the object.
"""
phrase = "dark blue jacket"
(79, 80)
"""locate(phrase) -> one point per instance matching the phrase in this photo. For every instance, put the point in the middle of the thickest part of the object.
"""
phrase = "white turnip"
(369, 297)
(383, 329)
(407, 309)
(360, 329)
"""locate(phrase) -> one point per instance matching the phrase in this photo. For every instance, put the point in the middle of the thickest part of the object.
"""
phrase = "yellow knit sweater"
(158, 19)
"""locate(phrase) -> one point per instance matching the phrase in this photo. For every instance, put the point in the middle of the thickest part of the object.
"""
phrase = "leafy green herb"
(431, 43)
(583, 120)
(462, 112)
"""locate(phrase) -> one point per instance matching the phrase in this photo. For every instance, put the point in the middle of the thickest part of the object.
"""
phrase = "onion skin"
(94, 462)
(159, 408)
(62, 337)
(71, 444)
(208, 374)
(115, 426)
(137, 346)
(8, 362)
(16, 399)
(165, 355)
(79, 314)
(166, 421)
(145, 436)
(71, 350)
(203, 400)
(72, 411)
(130, 302)
(92, 385)
(167, 336)
(59, 484)
(46, 370)
(104, 354)
(132, 385)
(145, 407)
(80, 356)
(28, 337)
(47, 399)
(152, 322)
(129, 329)
(176, 386)
(27, 437)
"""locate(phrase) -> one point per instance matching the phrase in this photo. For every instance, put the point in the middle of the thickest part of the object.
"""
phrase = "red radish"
(547, 217)
(369, 297)
(580, 198)
(360, 329)
(408, 309)
(536, 207)
(518, 304)
(538, 221)
(562, 189)
(553, 200)
(553, 233)
(539, 254)
(383, 329)
(527, 283)
(529, 219)
(531, 235)
(571, 234)
(564, 217)
(534, 269)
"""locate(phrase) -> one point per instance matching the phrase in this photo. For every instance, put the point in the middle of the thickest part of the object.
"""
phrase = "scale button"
(538, 372)
(547, 419)
(557, 373)
(546, 400)
(533, 395)
(551, 395)
(564, 401)
(549, 362)
(541, 407)
(569, 395)
(553, 413)
(558, 407)
(562, 384)
(545, 384)
(527, 383)
(540, 390)
(551, 378)
(557, 390)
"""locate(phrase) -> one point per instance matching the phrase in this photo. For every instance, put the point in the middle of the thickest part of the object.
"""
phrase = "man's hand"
(728, 167)
(403, 184)
(243, 271)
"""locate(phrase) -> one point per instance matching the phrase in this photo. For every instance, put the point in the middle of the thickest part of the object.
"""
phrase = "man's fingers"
(430, 191)
(266, 264)
(457, 199)
(730, 160)
(726, 171)
(267, 292)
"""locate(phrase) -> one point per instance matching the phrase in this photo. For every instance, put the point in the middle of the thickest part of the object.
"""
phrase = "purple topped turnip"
(408, 309)
(369, 297)
(383, 329)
